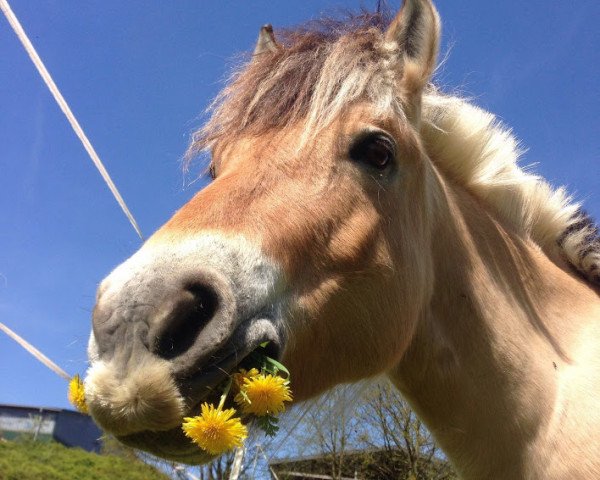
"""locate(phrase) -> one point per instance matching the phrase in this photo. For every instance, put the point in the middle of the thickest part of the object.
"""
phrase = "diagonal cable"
(37, 61)
(35, 352)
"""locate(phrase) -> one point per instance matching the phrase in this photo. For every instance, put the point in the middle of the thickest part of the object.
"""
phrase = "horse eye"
(375, 150)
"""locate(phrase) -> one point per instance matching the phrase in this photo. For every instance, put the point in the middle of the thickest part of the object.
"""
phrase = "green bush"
(28, 460)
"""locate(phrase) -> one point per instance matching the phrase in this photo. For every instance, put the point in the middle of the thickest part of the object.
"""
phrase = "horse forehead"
(296, 142)
(257, 150)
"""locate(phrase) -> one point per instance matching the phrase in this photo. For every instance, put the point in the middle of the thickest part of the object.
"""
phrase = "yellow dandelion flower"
(264, 395)
(241, 376)
(215, 430)
(77, 394)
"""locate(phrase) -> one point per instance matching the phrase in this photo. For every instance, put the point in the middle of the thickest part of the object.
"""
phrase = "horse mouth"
(206, 385)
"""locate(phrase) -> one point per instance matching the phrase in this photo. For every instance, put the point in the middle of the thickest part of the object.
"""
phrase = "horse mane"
(328, 64)
(476, 150)
(320, 69)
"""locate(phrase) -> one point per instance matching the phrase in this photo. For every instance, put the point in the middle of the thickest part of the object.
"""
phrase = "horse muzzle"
(168, 328)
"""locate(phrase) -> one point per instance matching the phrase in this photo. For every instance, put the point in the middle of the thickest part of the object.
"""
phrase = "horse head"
(310, 236)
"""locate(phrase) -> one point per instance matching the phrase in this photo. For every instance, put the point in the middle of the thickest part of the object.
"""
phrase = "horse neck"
(504, 358)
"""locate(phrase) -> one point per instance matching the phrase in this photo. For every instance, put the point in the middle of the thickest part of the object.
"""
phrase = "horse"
(363, 223)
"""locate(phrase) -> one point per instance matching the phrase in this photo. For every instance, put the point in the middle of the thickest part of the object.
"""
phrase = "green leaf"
(257, 359)
(268, 424)
(276, 367)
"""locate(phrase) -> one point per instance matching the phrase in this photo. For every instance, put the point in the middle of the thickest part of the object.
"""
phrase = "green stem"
(225, 393)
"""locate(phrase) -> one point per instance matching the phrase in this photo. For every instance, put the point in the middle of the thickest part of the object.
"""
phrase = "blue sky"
(138, 74)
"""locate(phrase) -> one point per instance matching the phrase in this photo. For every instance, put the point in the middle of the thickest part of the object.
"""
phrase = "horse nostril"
(195, 307)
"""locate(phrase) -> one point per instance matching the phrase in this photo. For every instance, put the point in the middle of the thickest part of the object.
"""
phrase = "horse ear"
(266, 41)
(416, 30)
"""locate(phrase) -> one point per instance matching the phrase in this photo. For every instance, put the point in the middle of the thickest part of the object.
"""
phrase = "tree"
(396, 429)
(370, 432)
(330, 431)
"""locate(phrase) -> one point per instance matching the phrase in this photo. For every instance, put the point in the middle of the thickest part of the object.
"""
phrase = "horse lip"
(181, 450)
(196, 387)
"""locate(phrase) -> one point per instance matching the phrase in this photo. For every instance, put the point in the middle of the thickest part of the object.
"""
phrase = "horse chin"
(171, 445)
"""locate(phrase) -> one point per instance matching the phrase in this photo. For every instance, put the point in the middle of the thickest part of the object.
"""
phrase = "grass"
(28, 460)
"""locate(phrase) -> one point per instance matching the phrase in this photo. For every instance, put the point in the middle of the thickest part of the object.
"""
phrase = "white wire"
(62, 103)
(35, 352)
